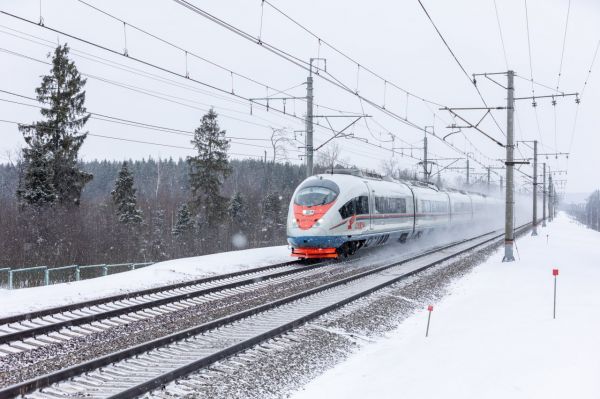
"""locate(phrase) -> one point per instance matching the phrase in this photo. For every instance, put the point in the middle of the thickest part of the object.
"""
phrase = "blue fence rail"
(44, 275)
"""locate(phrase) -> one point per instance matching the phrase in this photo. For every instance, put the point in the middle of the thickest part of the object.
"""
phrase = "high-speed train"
(335, 214)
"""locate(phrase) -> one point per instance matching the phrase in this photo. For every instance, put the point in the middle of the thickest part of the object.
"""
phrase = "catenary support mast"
(468, 182)
(509, 216)
(309, 122)
(535, 151)
(544, 197)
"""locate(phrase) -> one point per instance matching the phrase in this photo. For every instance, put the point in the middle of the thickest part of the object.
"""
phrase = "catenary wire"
(458, 150)
(141, 61)
(562, 54)
(460, 65)
(135, 141)
(501, 35)
(304, 65)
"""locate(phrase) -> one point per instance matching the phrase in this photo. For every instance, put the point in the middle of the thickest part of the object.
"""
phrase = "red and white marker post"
(555, 274)
(429, 309)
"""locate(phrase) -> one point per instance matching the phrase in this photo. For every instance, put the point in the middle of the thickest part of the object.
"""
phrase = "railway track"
(28, 331)
(141, 368)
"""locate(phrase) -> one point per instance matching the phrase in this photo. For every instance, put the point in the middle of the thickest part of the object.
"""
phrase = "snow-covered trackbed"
(150, 364)
(36, 324)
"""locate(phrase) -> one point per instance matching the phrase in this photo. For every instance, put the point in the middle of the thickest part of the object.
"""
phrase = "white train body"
(335, 214)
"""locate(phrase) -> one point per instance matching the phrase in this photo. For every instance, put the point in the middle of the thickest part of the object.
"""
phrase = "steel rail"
(133, 294)
(215, 357)
(64, 374)
(106, 314)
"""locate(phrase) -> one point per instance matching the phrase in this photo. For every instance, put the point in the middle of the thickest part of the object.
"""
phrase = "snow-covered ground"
(494, 336)
(35, 298)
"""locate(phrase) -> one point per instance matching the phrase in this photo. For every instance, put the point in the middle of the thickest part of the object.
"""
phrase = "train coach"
(337, 213)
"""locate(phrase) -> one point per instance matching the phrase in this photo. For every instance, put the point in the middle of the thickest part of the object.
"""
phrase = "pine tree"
(238, 211)
(157, 249)
(208, 169)
(51, 172)
(124, 198)
(184, 225)
(183, 231)
(271, 219)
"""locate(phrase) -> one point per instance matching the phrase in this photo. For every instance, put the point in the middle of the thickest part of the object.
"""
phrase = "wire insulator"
(187, 72)
(41, 23)
(125, 52)
(262, 12)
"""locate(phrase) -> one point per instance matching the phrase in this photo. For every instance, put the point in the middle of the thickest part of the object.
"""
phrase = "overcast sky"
(393, 38)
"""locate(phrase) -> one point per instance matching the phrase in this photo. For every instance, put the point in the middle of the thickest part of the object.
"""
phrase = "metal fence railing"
(44, 275)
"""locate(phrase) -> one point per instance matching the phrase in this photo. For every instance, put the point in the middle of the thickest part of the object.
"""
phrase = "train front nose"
(307, 232)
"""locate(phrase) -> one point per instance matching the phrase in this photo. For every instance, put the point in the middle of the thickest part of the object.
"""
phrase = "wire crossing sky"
(154, 67)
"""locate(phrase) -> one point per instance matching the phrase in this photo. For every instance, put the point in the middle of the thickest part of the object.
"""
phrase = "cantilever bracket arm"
(446, 167)
(451, 133)
(476, 127)
(340, 133)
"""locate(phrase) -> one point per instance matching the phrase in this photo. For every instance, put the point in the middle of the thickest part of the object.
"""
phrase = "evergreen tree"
(184, 225)
(124, 198)
(238, 211)
(271, 219)
(208, 169)
(51, 172)
(156, 245)
(183, 231)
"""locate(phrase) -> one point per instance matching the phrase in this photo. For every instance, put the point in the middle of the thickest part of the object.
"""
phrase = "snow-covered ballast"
(337, 213)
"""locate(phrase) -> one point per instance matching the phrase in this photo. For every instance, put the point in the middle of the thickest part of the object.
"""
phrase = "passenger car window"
(356, 206)
(348, 209)
(390, 205)
(362, 205)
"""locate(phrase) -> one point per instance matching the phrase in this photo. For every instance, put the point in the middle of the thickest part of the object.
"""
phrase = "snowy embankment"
(494, 336)
(29, 299)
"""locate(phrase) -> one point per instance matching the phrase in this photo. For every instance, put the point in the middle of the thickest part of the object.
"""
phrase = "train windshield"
(316, 195)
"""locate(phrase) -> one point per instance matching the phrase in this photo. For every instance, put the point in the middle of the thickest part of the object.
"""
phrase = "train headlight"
(318, 222)
(294, 224)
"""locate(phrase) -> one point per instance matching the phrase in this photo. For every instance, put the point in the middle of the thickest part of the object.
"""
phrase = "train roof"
(412, 183)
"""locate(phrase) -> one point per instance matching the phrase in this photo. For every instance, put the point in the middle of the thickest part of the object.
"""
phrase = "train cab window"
(356, 206)
(316, 192)
(312, 196)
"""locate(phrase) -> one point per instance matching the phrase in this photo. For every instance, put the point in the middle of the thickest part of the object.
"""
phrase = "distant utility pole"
(468, 182)
(425, 173)
(550, 198)
(508, 228)
(309, 122)
(544, 197)
(535, 150)
(488, 179)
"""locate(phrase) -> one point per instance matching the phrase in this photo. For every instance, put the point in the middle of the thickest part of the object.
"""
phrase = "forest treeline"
(256, 195)
(588, 213)
(57, 210)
